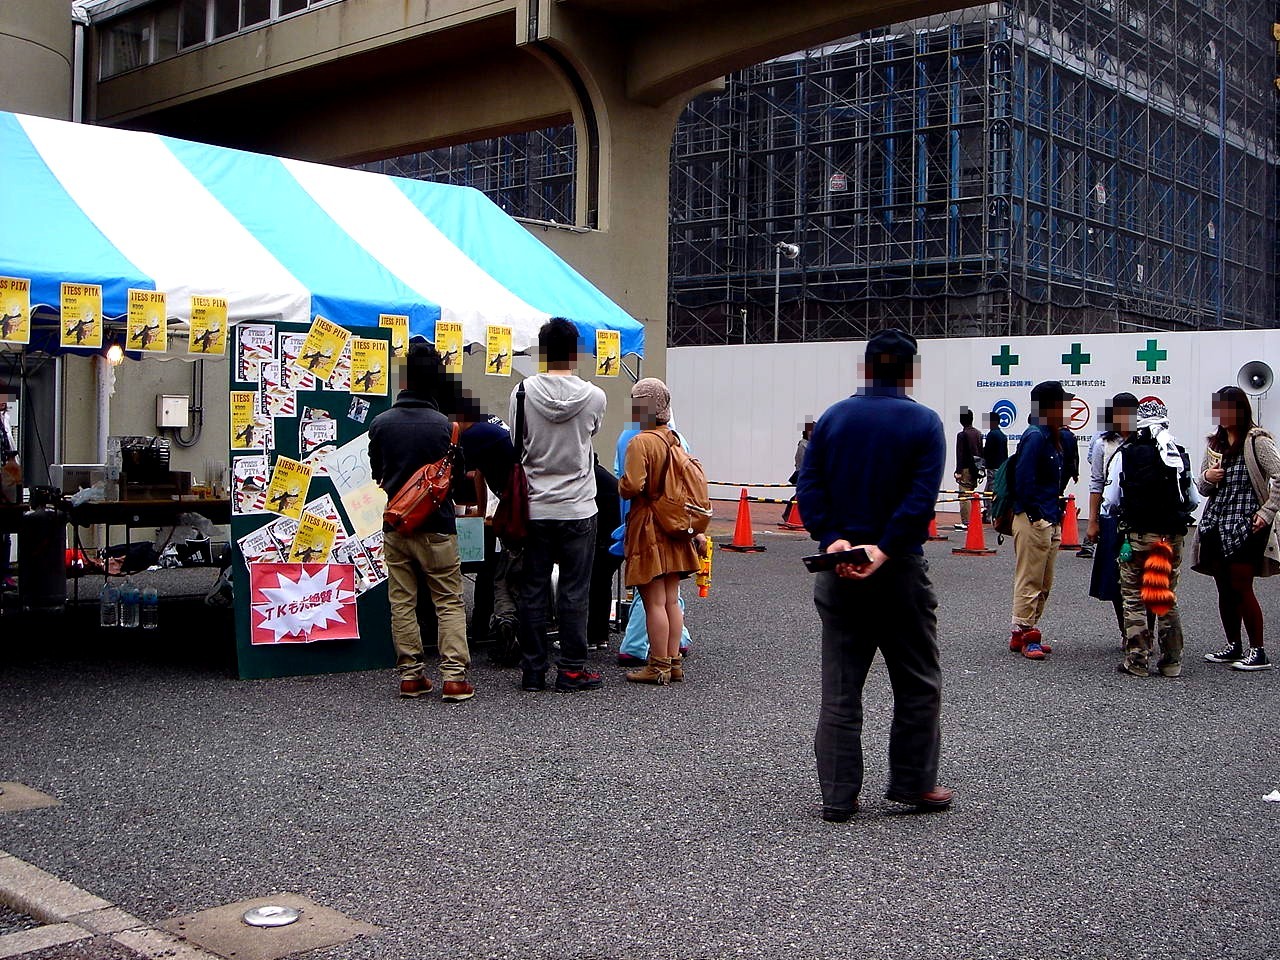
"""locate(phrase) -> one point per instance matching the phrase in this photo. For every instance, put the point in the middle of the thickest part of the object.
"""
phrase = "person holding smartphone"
(869, 482)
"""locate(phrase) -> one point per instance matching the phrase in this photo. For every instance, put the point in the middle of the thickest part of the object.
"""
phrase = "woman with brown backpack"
(662, 545)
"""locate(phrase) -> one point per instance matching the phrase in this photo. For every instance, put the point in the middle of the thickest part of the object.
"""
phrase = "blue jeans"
(570, 544)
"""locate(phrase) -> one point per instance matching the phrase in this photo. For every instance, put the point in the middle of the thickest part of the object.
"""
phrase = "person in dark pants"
(604, 564)
(969, 464)
(562, 413)
(870, 478)
(995, 451)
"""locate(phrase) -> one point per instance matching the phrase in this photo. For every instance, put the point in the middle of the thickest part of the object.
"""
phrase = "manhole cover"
(271, 916)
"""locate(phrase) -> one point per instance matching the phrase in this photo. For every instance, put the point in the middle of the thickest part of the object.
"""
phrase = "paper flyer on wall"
(317, 438)
(81, 315)
(282, 531)
(292, 375)
(322, 348)
(399, 327)
(248, 485)
(498, 351)
(15, 310)
(244, 420)
(352, 552)
(369, 366)
(324, 508)
(340, 379)
(449, 345)
(207, 334)
(608, 353)
(302, 603)
(314, 539)
(255, 342)
(287, 491)
(362, 499)
(276, 398)
(259, 547)
(147, 323)
(373, 549)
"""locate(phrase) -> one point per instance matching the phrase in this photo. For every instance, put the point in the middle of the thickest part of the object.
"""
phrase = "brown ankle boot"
(677, 669)
(657, 671)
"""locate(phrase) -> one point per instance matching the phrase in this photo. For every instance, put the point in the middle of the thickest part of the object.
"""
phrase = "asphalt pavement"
(1096, 814)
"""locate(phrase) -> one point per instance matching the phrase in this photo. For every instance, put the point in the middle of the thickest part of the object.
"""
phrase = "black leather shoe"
(840, 814)
(533, 680)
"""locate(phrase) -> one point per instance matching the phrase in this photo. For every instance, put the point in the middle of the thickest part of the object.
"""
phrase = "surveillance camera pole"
(791, 251)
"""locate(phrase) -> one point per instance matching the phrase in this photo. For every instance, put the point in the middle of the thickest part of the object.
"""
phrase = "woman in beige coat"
(1236, 539)
(655, 562)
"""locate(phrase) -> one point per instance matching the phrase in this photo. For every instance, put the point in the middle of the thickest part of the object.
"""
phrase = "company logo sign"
(1006, 411)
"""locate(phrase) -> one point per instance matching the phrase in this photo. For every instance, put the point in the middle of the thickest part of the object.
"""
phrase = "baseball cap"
(1050, 391)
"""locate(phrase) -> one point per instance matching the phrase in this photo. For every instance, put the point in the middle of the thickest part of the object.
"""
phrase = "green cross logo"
(1075, 359)
(1152, 356)
(1004, 360)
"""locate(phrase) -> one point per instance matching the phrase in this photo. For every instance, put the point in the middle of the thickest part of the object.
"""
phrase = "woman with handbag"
(1236, 540)
(656, 562)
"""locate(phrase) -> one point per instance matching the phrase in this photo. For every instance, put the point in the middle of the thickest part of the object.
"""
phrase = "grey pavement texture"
(1097, 814)
(12, 921)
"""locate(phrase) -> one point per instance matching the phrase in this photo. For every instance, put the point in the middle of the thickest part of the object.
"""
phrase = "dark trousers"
(894, 611)
(482, 598)
(569, 544)
(602, 571)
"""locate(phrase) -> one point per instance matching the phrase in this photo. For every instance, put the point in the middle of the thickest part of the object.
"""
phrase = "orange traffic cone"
(933, 530)
(743, 538)
(1070, 526)
(974, 545)
(794, 520)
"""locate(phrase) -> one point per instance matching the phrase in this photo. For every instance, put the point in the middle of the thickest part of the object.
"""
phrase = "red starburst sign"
(302, 602)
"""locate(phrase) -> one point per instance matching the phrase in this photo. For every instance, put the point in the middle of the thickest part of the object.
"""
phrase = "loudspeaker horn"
(1256, 378)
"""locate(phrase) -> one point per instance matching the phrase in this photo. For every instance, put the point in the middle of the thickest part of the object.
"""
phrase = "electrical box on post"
(172, 411)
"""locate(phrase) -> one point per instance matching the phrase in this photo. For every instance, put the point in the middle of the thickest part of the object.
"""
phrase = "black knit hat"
(891, 343)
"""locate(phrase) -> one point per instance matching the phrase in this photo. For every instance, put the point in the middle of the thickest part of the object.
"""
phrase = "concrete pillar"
(36, 40)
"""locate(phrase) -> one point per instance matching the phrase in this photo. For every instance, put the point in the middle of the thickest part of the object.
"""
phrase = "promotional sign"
(348, 468)
(287, 491)
(15, 310)
(498, 351)
(81, 315)
(313, 540)
(244, 420)
(399, 327)
(255, 344)
(369, 363)
(322, 348)
(248, 485)
(608, 353)
(302, 602)
(146, 324)
(208, 333)
(449, 345)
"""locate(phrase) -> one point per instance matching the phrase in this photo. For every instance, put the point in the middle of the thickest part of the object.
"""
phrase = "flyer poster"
(316, 430)
(449, 345)
(608, 353)
(207, 335)
(498, 351)
(322, 348)
(282, 531)
(249, 485)
(373, 549)
(15, 310)
(255, 342)
(277, 399)
(82, 315)
(146, 323)
(287, 491)
(324, 508)
(314, 540)
(293, 376)
(244, 420)
(369, 363)
(399, 327)
(352, 552)
(302, 602)
(340, 379)
(259, 547)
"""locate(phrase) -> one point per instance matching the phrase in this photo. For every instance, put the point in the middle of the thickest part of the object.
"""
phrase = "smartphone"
(828, 561)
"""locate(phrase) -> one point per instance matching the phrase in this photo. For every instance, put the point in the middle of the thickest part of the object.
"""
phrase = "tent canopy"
(278, 238)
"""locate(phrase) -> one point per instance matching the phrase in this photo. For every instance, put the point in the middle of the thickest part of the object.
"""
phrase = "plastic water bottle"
(150, 613)
(108, 606)
(129, 600)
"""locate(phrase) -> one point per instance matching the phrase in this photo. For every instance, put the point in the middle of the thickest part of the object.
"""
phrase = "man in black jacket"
(412, 434)
(995, 451)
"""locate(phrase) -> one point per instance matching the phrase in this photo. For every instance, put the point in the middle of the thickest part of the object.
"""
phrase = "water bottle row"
(127, 606)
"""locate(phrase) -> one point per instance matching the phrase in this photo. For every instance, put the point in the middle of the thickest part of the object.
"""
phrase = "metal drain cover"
(271, 916)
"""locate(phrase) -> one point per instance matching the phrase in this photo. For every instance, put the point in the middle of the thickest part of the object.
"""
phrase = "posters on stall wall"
(249, 485)
(146, 323)
(340, 380)
(207, 334)
(448, 344)
(497, 351)
(15, 310)
(313, 540)
(255, 343)
(287, 489)
(369, 366)
(317, 438)
(244, 420)
(292, 376)
(276, 398)
(399, 327)
(81, 311)
(608, 353)
(302, 602)
(322, 348)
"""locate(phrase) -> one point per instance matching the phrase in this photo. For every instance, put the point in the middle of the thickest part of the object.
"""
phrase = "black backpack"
(1154, 497)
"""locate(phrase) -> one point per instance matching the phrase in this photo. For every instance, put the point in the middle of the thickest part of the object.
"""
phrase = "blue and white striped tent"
(278, 238)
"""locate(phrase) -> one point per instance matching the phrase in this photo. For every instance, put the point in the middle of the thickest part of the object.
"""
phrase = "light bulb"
(115, 355)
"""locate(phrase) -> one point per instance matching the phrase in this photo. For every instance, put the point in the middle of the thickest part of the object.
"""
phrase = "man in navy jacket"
(870, 477)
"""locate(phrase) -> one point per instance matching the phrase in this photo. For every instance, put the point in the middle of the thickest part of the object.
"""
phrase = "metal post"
(1222, 182)
(777, 282)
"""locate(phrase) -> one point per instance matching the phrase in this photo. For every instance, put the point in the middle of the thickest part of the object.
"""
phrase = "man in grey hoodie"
(561, 414)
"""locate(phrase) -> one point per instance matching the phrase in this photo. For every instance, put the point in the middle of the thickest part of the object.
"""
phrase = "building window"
(193, 28)
(256, 12)
(226, 17)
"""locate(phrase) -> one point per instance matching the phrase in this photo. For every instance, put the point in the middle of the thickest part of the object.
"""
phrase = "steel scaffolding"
(1041, 166)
